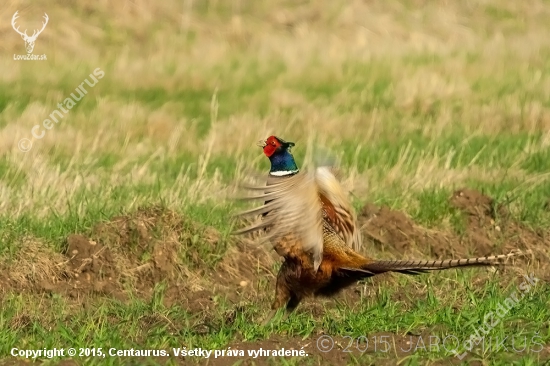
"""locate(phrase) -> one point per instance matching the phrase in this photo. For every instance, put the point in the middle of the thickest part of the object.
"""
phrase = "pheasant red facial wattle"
(274, 143)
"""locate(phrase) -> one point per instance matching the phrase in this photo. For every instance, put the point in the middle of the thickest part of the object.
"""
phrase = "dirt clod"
(386, 227)
(489, 229)
(144, 249)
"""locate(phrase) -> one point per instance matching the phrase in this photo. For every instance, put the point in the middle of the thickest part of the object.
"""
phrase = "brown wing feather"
(294, 215)
(338, 210)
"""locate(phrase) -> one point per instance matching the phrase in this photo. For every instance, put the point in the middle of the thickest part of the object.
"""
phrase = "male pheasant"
(311, 224)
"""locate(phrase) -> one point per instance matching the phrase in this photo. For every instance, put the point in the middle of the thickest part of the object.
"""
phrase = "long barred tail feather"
(416, 267)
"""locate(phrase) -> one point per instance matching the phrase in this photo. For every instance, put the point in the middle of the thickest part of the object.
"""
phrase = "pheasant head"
(278, 152)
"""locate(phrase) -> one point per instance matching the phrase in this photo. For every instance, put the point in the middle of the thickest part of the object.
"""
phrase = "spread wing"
(294, 215)
(294, 209)
(338, 210)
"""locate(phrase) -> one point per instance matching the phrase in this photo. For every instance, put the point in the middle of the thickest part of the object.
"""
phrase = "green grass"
(415, 103)
(111, 324)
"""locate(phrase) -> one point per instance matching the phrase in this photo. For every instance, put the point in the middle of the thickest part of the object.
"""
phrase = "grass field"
(115, 224)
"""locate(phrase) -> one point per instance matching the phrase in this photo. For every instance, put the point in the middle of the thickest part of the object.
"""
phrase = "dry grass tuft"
(35, 263)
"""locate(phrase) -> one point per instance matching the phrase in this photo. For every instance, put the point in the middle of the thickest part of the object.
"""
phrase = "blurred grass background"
(412, 95)
(416, 98)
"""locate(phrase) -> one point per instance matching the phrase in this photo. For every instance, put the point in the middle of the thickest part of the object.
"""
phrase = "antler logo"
(29, 40)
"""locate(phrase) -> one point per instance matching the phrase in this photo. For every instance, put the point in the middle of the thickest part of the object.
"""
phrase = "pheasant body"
(311, 224)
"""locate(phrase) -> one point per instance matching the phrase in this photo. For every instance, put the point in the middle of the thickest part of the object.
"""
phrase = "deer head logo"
(29, 40)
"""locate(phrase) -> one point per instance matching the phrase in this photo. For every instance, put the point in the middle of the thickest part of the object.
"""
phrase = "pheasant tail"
(417, 267)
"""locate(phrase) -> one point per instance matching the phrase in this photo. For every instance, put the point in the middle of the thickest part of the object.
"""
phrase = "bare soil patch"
(489, 229)
(127, 253)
